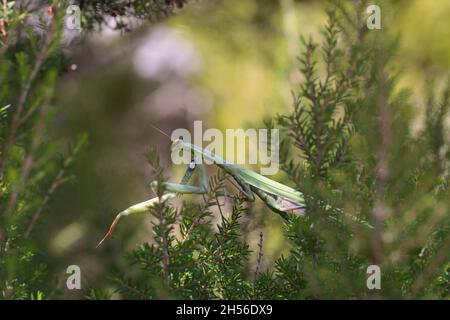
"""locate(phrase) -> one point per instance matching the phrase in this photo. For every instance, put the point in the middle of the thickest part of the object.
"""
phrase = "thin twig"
(440, 257)
(260, 255)
(29, 160)
(379, 210)
(55, 184)
(165, 251)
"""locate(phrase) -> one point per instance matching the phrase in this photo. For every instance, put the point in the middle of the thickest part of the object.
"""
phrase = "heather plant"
(33, 57)
(350, 148)
(375, 184)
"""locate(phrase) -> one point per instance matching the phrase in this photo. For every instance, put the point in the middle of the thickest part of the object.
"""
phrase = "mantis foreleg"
(183, 188)
(173, 188)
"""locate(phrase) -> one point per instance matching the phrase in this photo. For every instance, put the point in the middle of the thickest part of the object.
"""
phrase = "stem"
(165, 254)
(29, 160)
(55, 184)
(379, 210)
(260, 255)
(440, 257)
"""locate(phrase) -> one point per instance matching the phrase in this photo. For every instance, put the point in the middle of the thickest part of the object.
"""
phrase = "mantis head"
(177, 144)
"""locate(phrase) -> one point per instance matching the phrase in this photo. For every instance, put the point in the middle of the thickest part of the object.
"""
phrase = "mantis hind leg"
(243, 187)
(279, 206)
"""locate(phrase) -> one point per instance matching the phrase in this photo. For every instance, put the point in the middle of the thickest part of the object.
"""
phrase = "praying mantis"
(278, 197)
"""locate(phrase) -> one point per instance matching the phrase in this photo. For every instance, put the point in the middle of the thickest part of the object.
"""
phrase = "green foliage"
(350, 148)
(199, 263)
(98, 13)
(32, 166)
(352, 132)
(29, 173)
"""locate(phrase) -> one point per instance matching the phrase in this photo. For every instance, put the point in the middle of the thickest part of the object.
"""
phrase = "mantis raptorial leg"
(146, 205)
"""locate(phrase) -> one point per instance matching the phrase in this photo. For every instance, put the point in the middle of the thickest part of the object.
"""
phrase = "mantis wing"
(270, 186)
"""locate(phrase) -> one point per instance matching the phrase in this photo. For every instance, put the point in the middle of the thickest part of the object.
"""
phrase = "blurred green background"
(229, 63)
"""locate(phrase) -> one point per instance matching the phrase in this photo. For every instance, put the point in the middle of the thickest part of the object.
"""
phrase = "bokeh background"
(228, 63)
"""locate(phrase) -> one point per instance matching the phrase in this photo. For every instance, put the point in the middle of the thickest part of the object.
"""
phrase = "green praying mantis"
(278, 197)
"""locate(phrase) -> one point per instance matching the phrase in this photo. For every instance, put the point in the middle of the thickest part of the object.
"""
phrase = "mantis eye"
(192, 165)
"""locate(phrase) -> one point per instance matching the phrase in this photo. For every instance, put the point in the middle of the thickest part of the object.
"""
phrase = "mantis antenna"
(160, 131)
